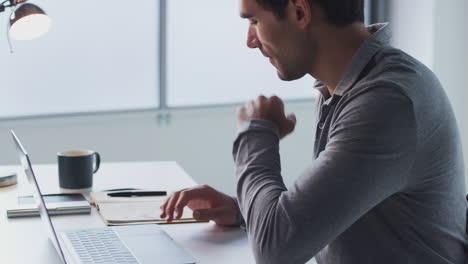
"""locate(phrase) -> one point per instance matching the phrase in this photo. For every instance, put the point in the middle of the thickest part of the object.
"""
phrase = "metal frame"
(377, 11)
(162, 53)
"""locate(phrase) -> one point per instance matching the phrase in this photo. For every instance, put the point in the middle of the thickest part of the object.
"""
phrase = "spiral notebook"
(134, 210)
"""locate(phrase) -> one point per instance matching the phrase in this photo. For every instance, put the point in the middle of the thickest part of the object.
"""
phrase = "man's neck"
(335, 52)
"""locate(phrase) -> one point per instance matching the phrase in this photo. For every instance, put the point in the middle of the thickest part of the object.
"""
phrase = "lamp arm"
(5, 4)
(10, 3)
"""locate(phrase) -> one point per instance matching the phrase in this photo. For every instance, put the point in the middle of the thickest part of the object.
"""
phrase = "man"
(387, 182)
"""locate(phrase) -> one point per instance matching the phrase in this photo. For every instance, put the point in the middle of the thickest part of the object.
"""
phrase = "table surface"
(24, 240)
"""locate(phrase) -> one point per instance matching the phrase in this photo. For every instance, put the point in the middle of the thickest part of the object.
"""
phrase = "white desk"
(25, 240)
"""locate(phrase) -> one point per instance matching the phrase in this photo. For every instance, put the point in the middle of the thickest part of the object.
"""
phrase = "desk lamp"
(27, 21)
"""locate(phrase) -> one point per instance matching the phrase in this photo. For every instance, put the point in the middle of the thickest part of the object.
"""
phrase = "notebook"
(134, 210)
(57, 204)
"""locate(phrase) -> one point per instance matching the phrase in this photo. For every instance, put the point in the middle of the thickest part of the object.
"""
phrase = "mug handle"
(98, 161)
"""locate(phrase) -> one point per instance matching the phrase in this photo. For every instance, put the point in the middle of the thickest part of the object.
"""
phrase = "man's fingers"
(276, 100)
(287, 125)
(163, 207)
(241, 116)
(178, 200)
(249, 109)
(184, 199)
(261, 98)
(292, 118)
(170, 206)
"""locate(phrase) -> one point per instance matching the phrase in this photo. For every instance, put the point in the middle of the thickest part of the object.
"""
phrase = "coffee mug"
(76, 169)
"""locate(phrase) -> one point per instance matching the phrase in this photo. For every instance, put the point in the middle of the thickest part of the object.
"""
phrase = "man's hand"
(271, 109)
(206, 203)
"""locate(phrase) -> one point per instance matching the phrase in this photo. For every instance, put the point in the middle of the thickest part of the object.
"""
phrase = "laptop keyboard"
(100, 246)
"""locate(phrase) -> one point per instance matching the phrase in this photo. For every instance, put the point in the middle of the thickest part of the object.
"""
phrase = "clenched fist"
(271, 109)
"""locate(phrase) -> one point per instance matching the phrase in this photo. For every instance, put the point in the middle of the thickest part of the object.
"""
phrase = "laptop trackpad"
(150, 244)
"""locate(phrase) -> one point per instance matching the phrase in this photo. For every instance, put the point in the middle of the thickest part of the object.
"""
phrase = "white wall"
(412, 24)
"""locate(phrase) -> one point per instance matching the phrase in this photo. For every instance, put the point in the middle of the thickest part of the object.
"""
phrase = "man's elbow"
(280, 255)
(272, 251)
(270, 256)
(281, 248)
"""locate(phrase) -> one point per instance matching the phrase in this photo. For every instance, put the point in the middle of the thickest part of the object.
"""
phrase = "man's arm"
(366, 160)
(239, 220)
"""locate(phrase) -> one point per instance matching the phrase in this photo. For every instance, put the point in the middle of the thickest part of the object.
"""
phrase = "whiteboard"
(97, 56)
(208, 61)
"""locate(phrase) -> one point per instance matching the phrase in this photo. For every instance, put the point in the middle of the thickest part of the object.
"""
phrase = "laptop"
(119, 244)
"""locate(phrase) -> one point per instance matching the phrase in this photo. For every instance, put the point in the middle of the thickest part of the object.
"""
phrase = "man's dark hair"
(338, 12)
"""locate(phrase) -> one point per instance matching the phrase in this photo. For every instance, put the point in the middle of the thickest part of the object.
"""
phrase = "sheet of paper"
(118, 210)
(132, 212)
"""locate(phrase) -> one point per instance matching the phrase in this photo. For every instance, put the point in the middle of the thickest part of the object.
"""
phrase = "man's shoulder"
(392, 70)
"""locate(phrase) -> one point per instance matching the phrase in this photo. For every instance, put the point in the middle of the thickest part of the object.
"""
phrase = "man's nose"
(252, 40)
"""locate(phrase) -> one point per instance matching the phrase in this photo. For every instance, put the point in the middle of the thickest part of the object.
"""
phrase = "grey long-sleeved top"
(387, 182)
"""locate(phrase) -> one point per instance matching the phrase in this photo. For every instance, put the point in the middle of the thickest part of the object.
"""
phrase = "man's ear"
(301, 12)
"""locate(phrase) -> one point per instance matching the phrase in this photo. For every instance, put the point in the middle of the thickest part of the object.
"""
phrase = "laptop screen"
(26, 163)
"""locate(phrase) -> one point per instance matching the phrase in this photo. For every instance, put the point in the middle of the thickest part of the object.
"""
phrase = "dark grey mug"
(76, 169)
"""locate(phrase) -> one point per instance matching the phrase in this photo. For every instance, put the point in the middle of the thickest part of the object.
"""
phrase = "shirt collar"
(380, 36)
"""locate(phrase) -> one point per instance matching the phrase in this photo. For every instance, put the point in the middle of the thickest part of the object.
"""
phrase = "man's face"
(278, 39)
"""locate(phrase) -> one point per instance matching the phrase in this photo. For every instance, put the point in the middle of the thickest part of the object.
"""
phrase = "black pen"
(137, 193)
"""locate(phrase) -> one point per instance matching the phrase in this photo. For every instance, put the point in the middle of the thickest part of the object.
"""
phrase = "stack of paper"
(134, 210)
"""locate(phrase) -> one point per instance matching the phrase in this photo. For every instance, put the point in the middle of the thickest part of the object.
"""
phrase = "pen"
(137, 193)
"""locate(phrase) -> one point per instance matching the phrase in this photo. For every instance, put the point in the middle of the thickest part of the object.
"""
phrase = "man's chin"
(288, 77)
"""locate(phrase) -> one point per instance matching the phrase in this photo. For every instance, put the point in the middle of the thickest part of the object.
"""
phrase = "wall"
(412, 24)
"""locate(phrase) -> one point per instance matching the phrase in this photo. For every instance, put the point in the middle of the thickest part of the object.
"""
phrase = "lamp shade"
(28, 22)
